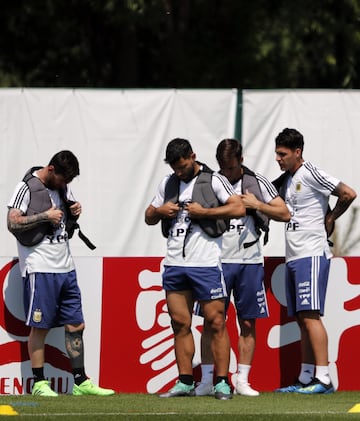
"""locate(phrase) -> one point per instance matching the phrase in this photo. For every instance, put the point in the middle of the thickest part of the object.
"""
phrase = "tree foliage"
(180, 43)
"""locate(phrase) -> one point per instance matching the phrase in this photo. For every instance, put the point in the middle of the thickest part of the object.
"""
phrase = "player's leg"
(250, 302)
(214, 314)
(180, 305)
(312, 273)
(206, 387)
(71, 316)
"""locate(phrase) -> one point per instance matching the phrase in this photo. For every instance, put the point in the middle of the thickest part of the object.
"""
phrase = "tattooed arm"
(345, 195)
(17, 221)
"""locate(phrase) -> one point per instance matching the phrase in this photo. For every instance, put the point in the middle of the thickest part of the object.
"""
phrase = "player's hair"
(176, 149)
(290, 138)
(228, 149)
(66, 164)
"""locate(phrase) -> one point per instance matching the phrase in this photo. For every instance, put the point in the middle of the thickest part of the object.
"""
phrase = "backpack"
(251, 183)
(40, 202)
(203, 194)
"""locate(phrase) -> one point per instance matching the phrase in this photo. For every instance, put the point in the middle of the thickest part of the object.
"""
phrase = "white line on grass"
(137, 414)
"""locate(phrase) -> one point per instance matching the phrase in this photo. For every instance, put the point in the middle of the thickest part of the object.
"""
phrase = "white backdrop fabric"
(330, 123)
(119, 137)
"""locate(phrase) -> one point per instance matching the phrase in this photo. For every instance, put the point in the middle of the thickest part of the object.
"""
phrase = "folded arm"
(233, 208)
(276, 209)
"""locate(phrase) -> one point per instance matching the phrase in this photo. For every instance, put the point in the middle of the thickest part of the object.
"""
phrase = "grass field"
(268, 406)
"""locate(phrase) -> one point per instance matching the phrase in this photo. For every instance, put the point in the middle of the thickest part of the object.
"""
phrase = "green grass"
(268, 406)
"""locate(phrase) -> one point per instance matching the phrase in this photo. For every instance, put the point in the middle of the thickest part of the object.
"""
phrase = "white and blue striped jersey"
(200, 249)
(242, 230)
(307, 197)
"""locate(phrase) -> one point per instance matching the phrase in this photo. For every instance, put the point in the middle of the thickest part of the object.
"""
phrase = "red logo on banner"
(14, 349)
(134, 310)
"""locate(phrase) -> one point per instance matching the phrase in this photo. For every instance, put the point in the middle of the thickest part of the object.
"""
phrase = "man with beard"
(193, 205)
(38, 215)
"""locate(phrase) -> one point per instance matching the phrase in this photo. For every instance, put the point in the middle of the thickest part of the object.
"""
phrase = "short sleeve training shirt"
(52, 255)
(197, 248)
(307, 197)
(242, 230)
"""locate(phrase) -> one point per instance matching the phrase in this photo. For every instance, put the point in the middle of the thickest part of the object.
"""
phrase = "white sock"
(207, 373)
(322, 373)
(306, 373)
(243, 373)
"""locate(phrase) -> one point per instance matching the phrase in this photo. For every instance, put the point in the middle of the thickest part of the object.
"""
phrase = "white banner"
(330, 123)
(119, 137)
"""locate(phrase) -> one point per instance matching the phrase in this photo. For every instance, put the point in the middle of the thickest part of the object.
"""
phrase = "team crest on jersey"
(37, 315)
(298, 187)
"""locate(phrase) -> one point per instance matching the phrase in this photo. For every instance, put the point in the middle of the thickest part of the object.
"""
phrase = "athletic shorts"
(52, 300)
(206, 283)
(306, 283)
(246, 282)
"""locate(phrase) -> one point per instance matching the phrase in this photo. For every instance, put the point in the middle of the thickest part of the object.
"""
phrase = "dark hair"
(290, 138)
(227, 149)
(66, 164)
(177, 149)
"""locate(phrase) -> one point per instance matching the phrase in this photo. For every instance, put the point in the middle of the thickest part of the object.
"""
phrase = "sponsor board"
(129, 341)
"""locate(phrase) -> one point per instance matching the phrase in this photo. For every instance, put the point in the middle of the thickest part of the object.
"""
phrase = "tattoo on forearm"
(340, 207)
(18, 222)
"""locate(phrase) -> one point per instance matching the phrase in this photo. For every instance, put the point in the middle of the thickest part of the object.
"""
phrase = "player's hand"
(75, 209)
(250, 201)
(168, 210)
(195, 210)
(55, 215)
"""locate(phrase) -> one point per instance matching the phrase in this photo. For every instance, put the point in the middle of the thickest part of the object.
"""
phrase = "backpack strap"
(71, 221)
(250, 182)
(280, 183)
